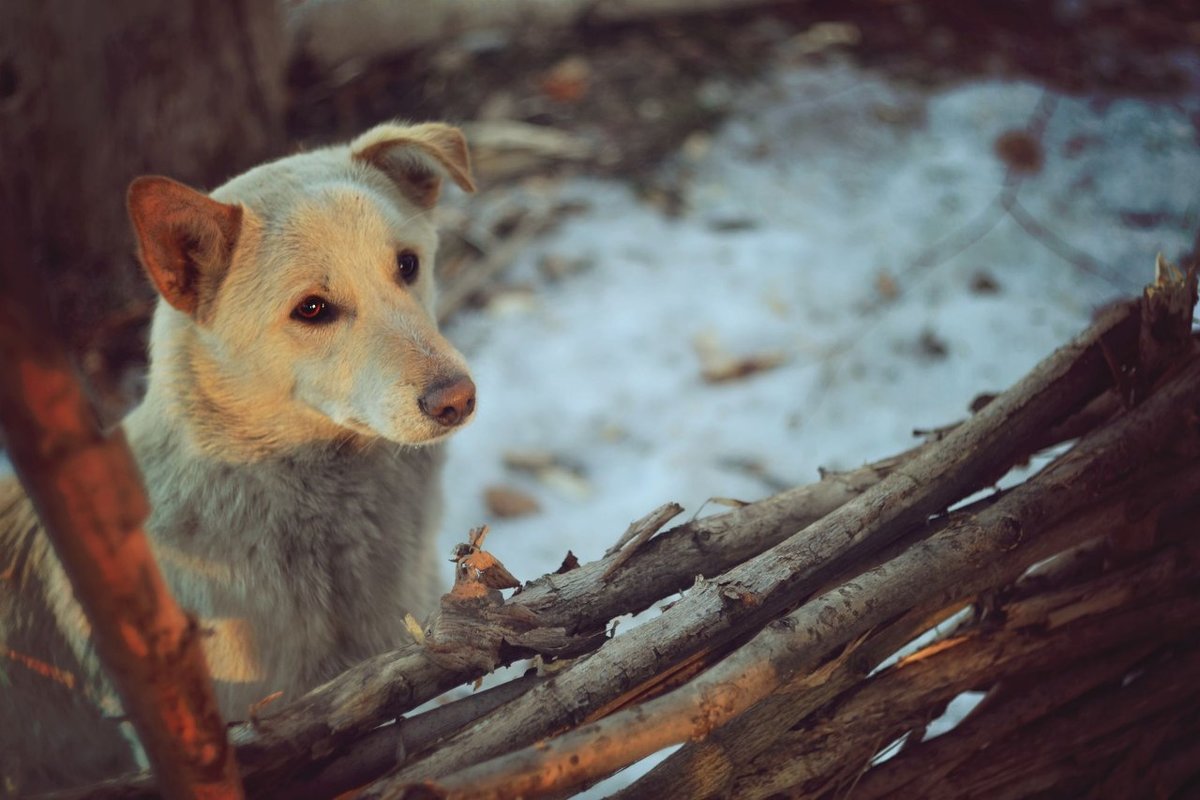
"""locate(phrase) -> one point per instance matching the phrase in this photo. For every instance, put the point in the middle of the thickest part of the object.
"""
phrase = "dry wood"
(1066, 751)
(638, 533)
(312, 729)
(991, 536)
(368, 758)
(380, 750)
(825, 752)
(333, 33)
(1154, 765)
(1035, 603)
(88, 493)
(706, 768)
(702, 767)
(304, 735)
(827, 760)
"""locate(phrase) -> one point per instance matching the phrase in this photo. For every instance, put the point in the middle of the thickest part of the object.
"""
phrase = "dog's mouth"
(417, 433)
(440, 434)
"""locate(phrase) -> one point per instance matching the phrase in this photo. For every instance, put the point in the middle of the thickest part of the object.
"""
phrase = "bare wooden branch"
(638, 533)
(697, 768)
(88, 493)
(340, 712)
(384, 747)
(332, 34)
(820, 753)
(1066, 751)
(821, 762)
(751, 673)
(707, 768)
(795, 644)
(369, 757)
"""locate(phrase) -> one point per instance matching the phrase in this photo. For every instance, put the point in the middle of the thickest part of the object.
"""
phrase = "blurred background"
(717, 245)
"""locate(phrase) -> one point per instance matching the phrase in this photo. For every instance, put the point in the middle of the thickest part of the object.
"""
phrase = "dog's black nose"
(449, 402)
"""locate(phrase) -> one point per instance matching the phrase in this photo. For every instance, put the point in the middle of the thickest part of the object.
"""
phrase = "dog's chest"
(306, 564)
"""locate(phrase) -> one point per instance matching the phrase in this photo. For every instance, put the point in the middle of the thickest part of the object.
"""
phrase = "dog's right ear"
(185, 240)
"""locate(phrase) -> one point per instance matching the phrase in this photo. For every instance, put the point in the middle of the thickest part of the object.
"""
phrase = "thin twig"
(639, 533)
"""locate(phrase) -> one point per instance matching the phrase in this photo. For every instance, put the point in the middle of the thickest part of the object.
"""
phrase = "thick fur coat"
(291, 456)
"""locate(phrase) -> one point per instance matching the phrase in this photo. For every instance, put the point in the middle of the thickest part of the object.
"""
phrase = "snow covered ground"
(824, 223)
(833, 221)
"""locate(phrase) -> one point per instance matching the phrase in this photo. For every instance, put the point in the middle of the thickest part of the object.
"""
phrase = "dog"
(289, 442)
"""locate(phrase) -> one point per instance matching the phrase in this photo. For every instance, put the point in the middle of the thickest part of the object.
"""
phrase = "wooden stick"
(88, 493)
(691, 770)
(369, 758)
(1064, 752)
(373, 28)
(826, 759)
(638, 533)
(896, 700)
(384, 747)
(971, 547)
(312, 729)
(744, 678)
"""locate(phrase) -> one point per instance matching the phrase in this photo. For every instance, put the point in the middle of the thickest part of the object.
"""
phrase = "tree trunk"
(332, 33)
(91, 95)
(94, 94)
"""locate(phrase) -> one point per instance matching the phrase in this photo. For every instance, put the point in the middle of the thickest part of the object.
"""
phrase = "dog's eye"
(408, 264)
(313, 309)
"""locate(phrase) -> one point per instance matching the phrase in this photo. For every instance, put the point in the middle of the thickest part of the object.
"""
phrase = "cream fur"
(294, 480)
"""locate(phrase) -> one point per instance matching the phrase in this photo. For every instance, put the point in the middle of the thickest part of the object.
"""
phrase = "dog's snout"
(449, 402)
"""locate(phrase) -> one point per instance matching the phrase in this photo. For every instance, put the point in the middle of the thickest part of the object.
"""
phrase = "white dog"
(297, 378)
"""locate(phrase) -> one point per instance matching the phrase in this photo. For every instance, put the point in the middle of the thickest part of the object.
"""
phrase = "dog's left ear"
(415, 156)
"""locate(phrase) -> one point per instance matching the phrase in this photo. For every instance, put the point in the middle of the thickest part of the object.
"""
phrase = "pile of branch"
(1069, 599)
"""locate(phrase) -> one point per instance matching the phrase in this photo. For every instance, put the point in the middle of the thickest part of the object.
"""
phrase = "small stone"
(1019, 151)
(506, 502)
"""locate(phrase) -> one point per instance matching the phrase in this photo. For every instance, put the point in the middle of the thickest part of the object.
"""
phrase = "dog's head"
(299, 297)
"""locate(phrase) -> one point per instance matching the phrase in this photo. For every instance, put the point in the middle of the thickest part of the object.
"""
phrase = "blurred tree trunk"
(333, 33)
(93, 94)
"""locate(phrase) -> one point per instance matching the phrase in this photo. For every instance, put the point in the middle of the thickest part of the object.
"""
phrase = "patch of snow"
(926, 638)
(956, 711)
(833, 176)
